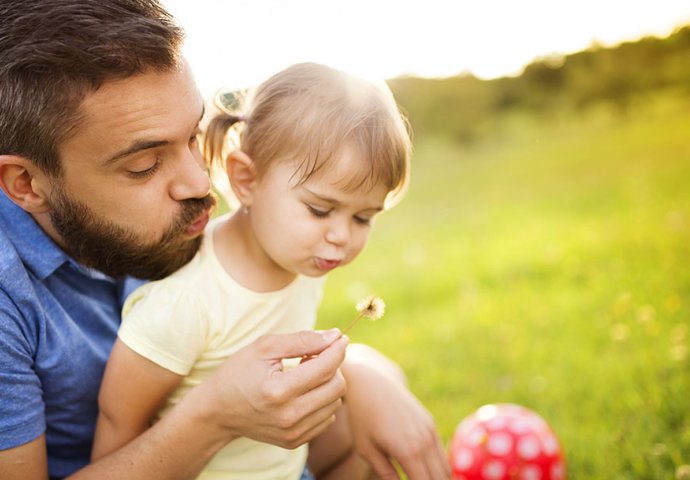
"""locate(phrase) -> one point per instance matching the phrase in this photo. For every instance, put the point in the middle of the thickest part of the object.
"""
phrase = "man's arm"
(22, 444)
(248, 395)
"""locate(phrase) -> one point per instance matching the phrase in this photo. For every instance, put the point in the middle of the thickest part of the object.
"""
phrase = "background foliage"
(466, 109)
(541, 255)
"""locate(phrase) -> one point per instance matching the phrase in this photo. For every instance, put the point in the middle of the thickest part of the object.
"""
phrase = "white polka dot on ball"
(528, 448)
(464, 459)
(530, 472)
(494, 470)
(499, 444)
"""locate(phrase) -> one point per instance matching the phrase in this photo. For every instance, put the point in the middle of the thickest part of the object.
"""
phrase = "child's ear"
(242, 176)
(24, 183)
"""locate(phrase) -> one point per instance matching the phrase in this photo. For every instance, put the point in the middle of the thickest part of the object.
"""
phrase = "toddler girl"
(318, 155)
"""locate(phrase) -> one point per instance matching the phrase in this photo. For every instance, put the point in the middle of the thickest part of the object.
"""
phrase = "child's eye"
(362, 220)
(318, 212)
(146, 172)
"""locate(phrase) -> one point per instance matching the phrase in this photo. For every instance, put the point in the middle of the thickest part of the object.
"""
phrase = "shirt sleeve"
(166, 322)
(22, 416)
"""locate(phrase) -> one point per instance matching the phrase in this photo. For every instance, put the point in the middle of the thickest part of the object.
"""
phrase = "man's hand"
(388, 422)
(251, 395)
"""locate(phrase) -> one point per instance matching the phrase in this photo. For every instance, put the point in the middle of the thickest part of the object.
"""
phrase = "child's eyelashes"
(324, 212)
(318, 212)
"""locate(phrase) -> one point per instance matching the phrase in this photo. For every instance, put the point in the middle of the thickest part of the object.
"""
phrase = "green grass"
(547, 266)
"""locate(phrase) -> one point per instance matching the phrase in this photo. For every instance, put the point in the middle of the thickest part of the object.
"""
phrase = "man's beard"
(100, 244)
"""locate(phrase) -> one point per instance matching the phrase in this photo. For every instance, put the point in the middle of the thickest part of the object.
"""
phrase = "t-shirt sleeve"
(166, 322)
(21, 397)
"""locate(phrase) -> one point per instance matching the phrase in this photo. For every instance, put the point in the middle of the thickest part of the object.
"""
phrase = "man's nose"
(191, 178)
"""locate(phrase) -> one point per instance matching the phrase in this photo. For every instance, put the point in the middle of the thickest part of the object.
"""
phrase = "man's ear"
(24, 183)
(242, 176)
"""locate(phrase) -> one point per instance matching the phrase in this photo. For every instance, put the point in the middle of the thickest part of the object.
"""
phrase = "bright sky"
(239, 43)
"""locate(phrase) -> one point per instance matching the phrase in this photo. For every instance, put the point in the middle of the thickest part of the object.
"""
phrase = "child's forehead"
(345, 170)
(359, 191)
(346, 163)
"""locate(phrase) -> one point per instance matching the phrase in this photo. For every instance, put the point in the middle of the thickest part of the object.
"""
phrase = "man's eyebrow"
(134, 148)
(141, 145)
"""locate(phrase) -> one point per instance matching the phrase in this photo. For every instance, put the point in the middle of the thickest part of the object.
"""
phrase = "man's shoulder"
(16, 289)
(13, 272)
(24, 244)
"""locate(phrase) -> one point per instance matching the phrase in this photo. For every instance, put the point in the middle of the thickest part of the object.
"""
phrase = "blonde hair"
(311, 113)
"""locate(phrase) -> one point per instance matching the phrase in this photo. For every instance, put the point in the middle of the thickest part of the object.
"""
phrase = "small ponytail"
(216, 133)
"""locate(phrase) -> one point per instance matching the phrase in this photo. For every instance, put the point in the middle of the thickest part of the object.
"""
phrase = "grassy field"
(547, 266)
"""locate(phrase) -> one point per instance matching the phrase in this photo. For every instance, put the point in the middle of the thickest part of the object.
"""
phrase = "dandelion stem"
(352, 324)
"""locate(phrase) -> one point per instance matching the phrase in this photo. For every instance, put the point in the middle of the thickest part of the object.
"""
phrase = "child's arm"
(387, 420)
(133, 390)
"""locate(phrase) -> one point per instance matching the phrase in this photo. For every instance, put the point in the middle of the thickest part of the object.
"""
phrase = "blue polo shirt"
(58, 321)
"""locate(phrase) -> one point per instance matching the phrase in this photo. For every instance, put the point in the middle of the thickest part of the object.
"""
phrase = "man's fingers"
(314, 425)
(306, 395)
(328, 393)
(302, 412)
(310, 414)
(298, 344)
(309, 375)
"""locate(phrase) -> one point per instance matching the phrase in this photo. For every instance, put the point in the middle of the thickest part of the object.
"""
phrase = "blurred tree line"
(466, 108)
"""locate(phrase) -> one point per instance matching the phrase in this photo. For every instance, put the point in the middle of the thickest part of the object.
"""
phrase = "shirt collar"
(36, 249)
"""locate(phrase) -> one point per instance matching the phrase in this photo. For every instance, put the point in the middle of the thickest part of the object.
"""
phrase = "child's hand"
(388, 422)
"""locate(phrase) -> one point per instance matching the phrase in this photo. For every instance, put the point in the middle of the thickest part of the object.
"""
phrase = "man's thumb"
(304, 343)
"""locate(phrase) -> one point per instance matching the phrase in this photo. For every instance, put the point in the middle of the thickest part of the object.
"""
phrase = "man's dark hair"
(54, 52)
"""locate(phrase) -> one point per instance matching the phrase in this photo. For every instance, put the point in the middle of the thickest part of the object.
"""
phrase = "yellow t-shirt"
(194, 319)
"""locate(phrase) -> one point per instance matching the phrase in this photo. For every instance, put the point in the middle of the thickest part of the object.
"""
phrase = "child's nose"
(338, 232)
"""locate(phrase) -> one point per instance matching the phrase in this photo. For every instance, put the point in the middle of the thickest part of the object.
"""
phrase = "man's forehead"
(150, 107)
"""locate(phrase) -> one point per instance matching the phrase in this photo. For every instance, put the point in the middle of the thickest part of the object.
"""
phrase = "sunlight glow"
(238, 44)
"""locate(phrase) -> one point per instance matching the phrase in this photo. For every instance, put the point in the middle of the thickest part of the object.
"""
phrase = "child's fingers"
(383, 468)
(440, 467)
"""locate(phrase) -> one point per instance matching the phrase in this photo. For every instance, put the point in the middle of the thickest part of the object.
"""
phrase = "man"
(103, 183)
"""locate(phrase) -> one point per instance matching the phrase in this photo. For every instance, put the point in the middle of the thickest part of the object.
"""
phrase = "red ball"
(506, 442)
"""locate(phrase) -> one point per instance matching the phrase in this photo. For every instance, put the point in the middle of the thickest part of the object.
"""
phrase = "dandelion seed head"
(683, 472)
(371, 307)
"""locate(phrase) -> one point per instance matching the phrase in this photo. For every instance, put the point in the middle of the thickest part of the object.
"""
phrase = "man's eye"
(144, 173)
